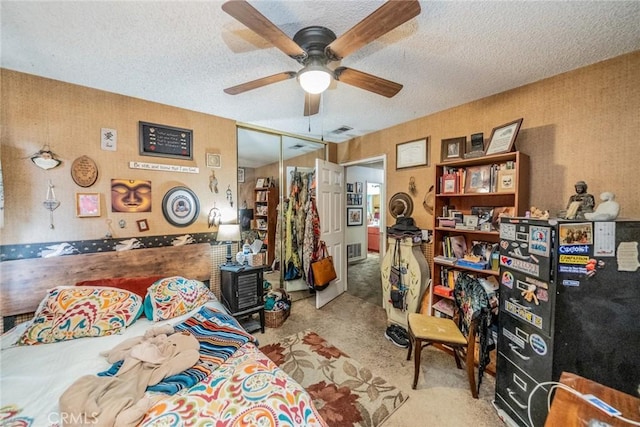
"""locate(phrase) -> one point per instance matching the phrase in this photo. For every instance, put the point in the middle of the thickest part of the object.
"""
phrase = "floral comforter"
(246, 390)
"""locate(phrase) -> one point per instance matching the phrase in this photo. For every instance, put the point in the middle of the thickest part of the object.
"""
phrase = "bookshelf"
(265, 218)
(471, 196)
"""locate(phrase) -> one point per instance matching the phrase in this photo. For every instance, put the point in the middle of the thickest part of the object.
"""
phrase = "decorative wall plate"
(84, 171)
(180, 206)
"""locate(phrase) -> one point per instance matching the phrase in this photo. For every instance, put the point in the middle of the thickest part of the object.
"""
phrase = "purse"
(323, 270)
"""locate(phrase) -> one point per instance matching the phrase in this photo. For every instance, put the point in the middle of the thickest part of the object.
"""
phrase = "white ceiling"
(184, 53)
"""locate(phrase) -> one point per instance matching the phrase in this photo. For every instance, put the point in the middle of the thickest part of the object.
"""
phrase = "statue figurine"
(607, 210)
(580, 203)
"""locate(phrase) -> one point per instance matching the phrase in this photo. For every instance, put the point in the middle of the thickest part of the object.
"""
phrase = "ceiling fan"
(314, 47)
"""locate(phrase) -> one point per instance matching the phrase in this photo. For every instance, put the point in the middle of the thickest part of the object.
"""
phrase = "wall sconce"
(229, 233)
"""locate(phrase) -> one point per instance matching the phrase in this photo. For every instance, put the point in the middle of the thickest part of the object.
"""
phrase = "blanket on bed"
(219, 335)
(154, 362)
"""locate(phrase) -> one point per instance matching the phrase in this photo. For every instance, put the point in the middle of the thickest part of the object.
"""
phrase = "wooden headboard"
(23, 283)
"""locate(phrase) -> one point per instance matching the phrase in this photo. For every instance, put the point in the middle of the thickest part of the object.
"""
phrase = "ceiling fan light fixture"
(314, 78)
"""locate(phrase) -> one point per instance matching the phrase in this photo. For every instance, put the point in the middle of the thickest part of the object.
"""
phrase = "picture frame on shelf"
(506, 180)
(478, 179)
(354, 216)
(412, 154)
(453, 148)
(475, 146)
(449, 183)
(503, 138)
(87, 205)
(260, 183)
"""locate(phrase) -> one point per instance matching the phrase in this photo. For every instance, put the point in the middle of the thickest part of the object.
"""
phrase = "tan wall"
(38, 111)
(581, 125)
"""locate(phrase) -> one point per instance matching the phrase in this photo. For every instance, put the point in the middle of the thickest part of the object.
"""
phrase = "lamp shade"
(314, 78)
(228, 233)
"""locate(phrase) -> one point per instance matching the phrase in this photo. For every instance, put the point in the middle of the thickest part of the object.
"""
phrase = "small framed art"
(478, 179)
(453, 148)
(503, 138)
(214, 161)
(354, 216)
(143, 225)
(240, 174)
(87, 204)
(412, 153)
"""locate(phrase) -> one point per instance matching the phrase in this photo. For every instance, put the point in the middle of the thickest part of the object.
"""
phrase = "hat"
(400, 205)
(404, 224)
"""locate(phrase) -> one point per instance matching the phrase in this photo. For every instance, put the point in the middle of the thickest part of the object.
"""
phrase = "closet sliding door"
(273, 199)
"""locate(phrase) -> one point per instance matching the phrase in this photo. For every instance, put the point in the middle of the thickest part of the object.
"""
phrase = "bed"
(194, 362)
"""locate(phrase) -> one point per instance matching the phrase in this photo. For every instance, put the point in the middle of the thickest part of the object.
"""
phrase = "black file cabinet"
(242, 291)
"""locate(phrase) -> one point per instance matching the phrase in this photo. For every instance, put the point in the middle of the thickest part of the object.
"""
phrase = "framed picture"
(506, 180)
(475, 146)
(143, 225)
(260, 183)
(478, 179)
(87, 204)
(240, 174)
(166, 141)
(354, 216)
(453, 148)
(503, 138)
(213, 161)
(180, 206)
(349, 187)
(358, 187)
(413, 153)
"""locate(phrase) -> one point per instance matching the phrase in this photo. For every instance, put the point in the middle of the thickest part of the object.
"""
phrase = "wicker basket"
(275, 318)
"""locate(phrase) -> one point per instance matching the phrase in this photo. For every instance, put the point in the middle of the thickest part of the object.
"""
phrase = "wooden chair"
(425, 330)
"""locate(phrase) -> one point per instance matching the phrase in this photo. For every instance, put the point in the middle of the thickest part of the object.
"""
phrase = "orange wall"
(580, 125)
(38, 111)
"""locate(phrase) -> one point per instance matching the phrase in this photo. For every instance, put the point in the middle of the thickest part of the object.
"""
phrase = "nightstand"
(242, 292)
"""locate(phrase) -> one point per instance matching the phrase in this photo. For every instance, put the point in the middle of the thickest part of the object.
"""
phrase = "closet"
(288, 163)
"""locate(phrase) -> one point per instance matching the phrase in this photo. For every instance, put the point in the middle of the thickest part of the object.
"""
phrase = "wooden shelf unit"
(265, 218)
(464, 201)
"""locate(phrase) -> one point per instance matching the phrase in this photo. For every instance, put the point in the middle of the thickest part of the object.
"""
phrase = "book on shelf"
(444, 306)
(443, 291)
(441, 259)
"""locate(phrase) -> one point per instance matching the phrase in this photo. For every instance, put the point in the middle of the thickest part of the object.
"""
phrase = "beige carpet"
(345, 393)
(442, 397)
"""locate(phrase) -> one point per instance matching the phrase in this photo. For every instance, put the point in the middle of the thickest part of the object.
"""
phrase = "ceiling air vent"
(341, 129)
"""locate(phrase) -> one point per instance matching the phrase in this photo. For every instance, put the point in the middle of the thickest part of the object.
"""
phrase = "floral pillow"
(175, 296)
(69, 312)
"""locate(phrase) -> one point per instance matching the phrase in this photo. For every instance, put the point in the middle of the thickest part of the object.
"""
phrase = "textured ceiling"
(185, 53)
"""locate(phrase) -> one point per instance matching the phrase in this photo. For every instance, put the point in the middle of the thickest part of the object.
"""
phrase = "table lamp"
(228, 233)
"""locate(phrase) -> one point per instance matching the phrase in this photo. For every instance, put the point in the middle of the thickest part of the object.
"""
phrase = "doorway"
(365, 243)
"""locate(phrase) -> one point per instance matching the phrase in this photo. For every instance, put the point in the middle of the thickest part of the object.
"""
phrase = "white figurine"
(607, 210)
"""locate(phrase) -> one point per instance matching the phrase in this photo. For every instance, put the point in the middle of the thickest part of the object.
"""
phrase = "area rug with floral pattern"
(344, 392)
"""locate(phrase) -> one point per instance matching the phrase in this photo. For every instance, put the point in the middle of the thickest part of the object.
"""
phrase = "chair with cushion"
(472, 317)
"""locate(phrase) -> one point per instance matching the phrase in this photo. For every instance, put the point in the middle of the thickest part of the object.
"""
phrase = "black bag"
(398, 291)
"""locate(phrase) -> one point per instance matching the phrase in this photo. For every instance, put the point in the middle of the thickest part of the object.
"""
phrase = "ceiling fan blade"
(258, 23)
(367, 81)
(384, 19)
(311, 104)
(254, 84)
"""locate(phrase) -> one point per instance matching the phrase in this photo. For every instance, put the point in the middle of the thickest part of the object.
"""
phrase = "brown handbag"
(323, 270)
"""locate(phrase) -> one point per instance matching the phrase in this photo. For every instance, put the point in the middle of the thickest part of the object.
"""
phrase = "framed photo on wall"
(165, 141)
(143, 225)
(87, 204)
(354, 216)
(240, 174)
(413, 153)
